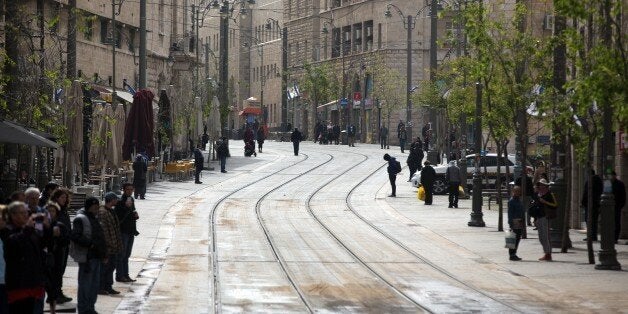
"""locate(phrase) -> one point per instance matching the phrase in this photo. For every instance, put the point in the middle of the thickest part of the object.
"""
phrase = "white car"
(489, 160)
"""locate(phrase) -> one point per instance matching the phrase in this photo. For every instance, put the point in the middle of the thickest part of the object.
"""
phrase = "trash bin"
(344, 138)
(432, 156)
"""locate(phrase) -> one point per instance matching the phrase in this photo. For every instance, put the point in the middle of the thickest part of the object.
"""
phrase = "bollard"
(607, 254)
(558, 187)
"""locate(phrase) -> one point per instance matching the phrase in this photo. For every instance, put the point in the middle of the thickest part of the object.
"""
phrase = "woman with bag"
(515, 220)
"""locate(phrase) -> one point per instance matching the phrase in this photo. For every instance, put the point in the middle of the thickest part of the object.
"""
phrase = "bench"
(491, 194)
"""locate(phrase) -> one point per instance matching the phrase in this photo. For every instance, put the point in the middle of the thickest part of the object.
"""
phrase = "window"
(336, 3)
(132, 39)
(357, 38)
(346, 40)
(89, 28)
(106, 33)
(379, 35)
(368, 35)
(161, 17)
(335, 43)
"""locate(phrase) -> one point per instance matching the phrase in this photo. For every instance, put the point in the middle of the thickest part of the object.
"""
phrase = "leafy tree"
(318, 85)
(388, 88)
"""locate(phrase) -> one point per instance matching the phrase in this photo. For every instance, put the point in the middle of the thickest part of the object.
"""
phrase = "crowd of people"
(37, 237)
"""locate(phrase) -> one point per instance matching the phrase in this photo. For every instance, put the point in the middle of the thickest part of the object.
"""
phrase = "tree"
(388, 88)
(318, 84)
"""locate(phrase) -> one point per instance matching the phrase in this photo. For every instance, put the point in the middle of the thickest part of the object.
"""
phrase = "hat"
(110, 196)
(91, 201)
(427, 162)
(543, 182)
(386, 157)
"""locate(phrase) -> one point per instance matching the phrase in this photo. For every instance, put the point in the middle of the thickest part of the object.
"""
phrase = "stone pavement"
(171, 228)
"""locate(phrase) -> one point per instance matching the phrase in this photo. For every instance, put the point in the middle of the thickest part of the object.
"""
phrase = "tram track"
(214, 254)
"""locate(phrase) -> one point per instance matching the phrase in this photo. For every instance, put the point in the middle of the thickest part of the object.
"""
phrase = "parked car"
(489, 160)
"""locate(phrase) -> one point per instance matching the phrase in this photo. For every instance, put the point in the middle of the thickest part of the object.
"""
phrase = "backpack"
(397, 166)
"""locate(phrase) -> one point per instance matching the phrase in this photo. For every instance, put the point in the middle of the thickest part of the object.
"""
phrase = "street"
(317, 233)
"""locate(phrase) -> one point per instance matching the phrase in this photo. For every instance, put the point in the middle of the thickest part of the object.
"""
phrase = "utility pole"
(142, 83)
(224, 67)
(284, 79)
(113, 51)
(71, 43)
(409, 29)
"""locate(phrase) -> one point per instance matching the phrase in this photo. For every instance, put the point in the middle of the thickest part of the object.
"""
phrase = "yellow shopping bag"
(461, 191)
(421, 193)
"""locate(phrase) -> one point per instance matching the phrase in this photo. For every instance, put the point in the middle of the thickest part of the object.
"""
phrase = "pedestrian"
(428, 175)
(597, 189)
(249, 142)
(540, 172)
(336, 134)
(426, 131)
(32, 195)
(351, 135)
(318, 129)
(403, 137)
(88, 249)
(529, 191)
(394, 168)
(205, 139)
(61, 197)
(222, 151)
(619, 191)
(113, 240)
(261, 136)
(516, 216)
(127, 216)
(415, 158)
(56, 253)
(139, 176)
(296, 138)
(544, 203)
(399, 126)
(23, 247)
(453, 177)
(198, 164)
(45, 196)
(4, 305)
(383, 137)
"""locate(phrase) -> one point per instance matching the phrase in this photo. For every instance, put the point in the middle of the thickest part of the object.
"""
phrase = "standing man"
(394, 167)
(619, 191)
(140, 169)
(88, 249)
(261, 136)
(222, 151)
(546, 203)
(403, 137)
(399, 126)
(415, 158)
(198, 164)
(453, 177)
(336, 132)
(598, 188)
(426, 132)
(428, 175)
(205, 138)
(111, 229)
(296, 138)
(383, 137)
(351, 135)
(516, 216)
(127, 216)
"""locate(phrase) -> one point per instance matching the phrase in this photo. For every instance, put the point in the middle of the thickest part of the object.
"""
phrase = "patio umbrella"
(75, 130)
(138, 132)
(117, 135)
(99, 134)
(215, 118)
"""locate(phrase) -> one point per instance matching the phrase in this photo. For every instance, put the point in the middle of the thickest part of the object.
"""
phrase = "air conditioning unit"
(548, 22)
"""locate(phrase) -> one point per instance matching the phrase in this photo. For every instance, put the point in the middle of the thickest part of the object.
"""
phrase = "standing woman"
(60, 240)
(61, 197)
(261, 136)
(139, 176)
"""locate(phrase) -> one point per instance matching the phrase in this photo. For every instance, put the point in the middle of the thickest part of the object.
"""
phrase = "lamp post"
(476, 213)
(409, 23)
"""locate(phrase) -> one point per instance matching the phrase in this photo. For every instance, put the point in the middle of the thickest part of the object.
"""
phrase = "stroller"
(249, 149)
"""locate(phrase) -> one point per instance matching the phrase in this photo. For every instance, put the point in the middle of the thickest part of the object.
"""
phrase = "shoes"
(450, 206)
(392, 195)
(111, 291)
(456, 205)
(223, 171)
(586, 239)
(198, 182)
(125, 279)
(546, 257)
(515, 258)
(62, 298)
(409, 180)
(103, 292)
(142, 197)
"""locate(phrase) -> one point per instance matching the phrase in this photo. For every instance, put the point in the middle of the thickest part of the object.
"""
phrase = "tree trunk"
(71, 43)
(498, 187)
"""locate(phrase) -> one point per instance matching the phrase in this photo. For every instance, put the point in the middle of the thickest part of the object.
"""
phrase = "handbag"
(421, 193)
(461, 192)
(511, 240)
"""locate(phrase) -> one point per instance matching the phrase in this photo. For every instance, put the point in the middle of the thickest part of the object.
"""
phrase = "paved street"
(316, 233)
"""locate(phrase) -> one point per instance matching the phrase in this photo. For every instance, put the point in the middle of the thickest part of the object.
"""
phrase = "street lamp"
(476, 213)
(409, 23)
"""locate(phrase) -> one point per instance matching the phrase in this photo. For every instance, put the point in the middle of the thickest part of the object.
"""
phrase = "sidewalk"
(569, 276)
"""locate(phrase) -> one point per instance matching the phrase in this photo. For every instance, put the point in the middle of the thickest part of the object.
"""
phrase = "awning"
(333, 103)
(251, 110)
(126, 96)
(11, 132)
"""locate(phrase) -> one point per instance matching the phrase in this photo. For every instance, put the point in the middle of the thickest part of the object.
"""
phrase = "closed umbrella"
(165, 123)
(75, 131)
(139, 127)
(117, 136)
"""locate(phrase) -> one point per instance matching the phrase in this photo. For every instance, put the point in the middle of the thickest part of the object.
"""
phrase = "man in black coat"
(598, 188)
(198, 164)
(415, 158)
(619, 191)
(428, 175)
(296, 138)
(140, 168)
(393, 169)
(222, 150)
(127, 216)
(383, 137)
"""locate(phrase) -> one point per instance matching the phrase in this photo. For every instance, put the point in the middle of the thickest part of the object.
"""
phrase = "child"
(515, 220)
